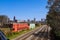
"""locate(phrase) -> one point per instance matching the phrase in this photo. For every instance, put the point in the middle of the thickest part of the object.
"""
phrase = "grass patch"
(16, 34)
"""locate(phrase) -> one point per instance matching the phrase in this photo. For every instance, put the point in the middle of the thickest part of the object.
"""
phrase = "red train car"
(19, 26)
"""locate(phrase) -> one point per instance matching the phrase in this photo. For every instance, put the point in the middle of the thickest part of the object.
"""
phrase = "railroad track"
(40, 33)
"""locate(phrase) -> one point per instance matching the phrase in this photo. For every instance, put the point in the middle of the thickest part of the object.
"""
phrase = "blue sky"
(24, 9)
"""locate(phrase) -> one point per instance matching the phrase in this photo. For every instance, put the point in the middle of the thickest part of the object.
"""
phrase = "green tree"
(53, 16)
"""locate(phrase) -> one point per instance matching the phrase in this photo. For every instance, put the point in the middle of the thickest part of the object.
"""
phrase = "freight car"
(16, 27)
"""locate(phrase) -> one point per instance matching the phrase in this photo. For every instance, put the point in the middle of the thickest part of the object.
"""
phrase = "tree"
(53, 16)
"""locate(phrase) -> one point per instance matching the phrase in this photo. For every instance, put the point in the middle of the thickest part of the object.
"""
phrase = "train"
(16, 27)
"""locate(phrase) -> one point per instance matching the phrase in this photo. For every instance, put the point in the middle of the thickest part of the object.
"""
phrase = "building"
(3, 19)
